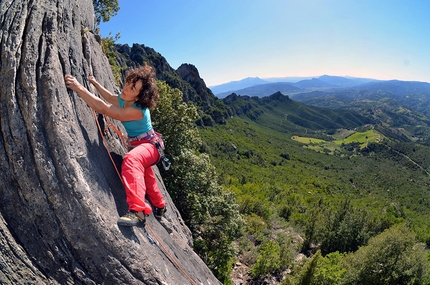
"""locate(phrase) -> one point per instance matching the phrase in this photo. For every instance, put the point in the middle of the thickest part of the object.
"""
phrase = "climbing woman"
(132, 107)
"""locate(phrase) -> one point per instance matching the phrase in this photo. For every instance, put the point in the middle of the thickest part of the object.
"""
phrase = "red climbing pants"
(139, 179)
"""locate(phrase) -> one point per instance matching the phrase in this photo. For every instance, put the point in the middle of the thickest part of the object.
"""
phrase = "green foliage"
(176, 121)
(330, 269)
(281, 113)
(274, 254)
(255, 224)
(209, 211)
(309, 270)
(337, 202)
(346, 227)
(393, 257)
(268, 260)
(320, 270)
(108, 45)
(105, 9)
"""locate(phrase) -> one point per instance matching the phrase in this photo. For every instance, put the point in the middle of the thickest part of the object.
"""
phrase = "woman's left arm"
(100, 106)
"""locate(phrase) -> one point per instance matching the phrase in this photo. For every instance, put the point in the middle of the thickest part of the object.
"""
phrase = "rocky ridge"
(186, 78)
(191, 85)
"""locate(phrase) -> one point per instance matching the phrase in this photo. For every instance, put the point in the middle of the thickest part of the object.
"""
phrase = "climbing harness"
(154, 138)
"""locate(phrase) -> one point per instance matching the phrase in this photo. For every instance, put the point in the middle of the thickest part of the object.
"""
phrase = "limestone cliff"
(60, 195)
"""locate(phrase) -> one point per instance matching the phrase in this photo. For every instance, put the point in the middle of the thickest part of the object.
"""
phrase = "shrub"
(268, 260)
(392, 257)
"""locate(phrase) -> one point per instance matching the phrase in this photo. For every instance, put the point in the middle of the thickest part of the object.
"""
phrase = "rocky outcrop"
(186, 78)
(60, 195)
(246, 104)
(190, 74)
(137, 54)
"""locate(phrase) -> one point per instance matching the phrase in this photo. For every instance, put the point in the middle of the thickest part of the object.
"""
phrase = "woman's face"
(130, 92)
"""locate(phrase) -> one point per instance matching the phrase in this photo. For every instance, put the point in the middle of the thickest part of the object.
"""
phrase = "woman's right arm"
(108, 96)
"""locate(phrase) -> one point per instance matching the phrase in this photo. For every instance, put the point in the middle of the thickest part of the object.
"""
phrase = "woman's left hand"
(92, 79)
(72, 83)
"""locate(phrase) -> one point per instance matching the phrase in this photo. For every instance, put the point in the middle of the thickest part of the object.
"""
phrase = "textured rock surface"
(60, 195)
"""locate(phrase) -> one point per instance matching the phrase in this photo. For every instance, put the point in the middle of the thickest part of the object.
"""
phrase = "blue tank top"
(137, 127)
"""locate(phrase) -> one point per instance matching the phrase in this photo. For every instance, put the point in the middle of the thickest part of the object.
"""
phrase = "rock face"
(60, 194)
(138, 54)
(190, 74)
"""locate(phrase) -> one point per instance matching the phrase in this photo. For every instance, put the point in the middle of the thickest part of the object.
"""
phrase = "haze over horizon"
(232, 40)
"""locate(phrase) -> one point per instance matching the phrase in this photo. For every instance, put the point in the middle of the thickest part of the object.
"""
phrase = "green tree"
(346, 229)
(105, 9)
(341, 226)
(393, 257)
(330, 270)
(268, 260)
(312, 227)
(308, 271)
(108, 45)
(319, 270)
(208, 210)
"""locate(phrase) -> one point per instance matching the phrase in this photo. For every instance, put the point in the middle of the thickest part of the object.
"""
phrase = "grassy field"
(323, 146)
(364, 138)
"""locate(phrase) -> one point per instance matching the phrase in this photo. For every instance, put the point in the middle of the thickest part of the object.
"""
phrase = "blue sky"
(228, 40)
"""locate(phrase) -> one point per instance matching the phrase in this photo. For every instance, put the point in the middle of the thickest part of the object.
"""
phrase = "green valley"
(289, 185)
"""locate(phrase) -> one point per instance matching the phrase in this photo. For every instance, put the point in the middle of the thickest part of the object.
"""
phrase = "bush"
(268, 260)
(392, 257)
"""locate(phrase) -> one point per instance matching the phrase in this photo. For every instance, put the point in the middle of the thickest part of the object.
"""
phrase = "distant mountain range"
(255, 86)
(236, 85)
(400, 109)
(399, 104)
(263, 90)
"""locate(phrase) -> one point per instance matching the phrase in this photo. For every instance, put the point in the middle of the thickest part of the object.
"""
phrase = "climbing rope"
(170, 256)
(106, 145)
(110, 125)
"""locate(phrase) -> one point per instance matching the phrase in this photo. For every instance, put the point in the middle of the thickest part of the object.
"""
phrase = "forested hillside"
(322, 188)
(324, 199)
(332, 184)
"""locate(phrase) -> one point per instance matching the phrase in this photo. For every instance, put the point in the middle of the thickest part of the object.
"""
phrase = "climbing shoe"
(132, 218)
(159, 212)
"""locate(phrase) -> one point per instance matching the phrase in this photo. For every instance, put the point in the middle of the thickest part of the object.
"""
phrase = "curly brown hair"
(148, 95)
